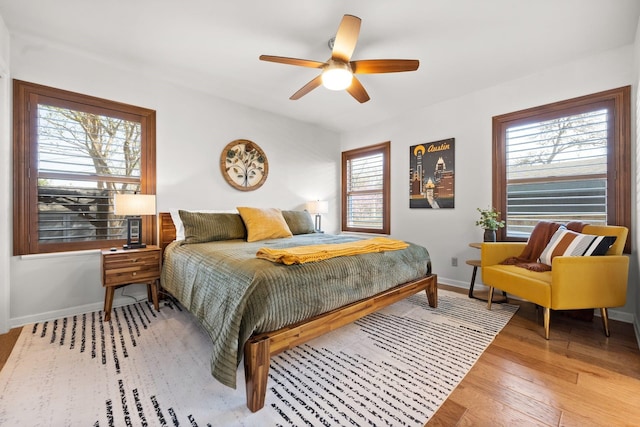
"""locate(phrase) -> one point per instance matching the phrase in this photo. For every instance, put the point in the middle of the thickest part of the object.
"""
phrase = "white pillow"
(177, 221)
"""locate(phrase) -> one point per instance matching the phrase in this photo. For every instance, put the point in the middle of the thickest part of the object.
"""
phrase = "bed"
(265, 308)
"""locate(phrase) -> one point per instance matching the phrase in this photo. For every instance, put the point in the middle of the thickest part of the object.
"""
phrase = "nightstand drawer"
(130, 275)
(130, 267)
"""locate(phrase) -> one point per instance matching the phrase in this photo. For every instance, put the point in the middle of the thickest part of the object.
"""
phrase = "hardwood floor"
(7, 341)
(577, 378)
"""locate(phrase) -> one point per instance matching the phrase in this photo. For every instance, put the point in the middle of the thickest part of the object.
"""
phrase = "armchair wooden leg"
(547, 318)
(604, 313)
(490, 297)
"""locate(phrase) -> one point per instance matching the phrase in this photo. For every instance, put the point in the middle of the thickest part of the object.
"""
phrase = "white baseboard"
(72, 311)
(458, 283)
(621, 316)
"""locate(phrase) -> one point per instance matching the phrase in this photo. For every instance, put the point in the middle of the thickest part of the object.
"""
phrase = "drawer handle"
(134, 273)
(134, 260)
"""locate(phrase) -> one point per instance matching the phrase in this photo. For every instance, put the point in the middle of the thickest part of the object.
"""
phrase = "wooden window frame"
(618, 152)
(25, 182)
(385, 149)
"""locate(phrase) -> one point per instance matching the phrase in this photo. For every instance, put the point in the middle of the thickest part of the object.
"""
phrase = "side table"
(123, 267)
(475, 263)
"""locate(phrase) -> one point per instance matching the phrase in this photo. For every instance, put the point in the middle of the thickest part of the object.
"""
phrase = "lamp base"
(134, 233)
(318, 224)
(134, 246)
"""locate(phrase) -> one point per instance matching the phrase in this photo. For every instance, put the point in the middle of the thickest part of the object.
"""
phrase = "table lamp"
(133, 206)
(318, 207)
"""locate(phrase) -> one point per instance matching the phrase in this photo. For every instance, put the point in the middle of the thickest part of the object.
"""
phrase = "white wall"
(192, 130)
(5, 176)
(447, 232)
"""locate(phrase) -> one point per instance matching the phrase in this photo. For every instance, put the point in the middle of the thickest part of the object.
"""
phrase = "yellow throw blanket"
(313, 253)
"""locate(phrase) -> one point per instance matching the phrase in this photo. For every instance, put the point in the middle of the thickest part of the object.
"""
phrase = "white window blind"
(365, 184)
(83, 160)
(557, 171)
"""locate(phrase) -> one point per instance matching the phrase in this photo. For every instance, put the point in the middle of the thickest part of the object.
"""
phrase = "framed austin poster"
(431, 175)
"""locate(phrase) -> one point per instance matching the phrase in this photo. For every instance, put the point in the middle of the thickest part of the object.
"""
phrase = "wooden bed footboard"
(259, 348)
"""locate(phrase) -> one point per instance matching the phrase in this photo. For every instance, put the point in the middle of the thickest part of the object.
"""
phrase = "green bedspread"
(234, 294)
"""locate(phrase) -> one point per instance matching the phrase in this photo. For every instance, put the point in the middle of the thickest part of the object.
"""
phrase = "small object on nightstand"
(125, 267)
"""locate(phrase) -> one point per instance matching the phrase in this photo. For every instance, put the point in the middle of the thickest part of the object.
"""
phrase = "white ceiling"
(213, 45)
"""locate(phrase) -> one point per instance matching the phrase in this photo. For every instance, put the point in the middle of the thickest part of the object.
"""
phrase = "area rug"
(394, 367)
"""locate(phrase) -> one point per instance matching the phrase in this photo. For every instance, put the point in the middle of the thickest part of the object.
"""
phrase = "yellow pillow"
(264, 224)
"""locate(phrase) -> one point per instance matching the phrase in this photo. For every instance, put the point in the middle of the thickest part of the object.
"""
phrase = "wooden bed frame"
(260, 347)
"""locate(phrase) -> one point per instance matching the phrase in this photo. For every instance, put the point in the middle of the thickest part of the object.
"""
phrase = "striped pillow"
(569, 243)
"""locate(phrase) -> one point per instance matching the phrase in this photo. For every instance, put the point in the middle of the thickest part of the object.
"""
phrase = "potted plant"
(489, 221)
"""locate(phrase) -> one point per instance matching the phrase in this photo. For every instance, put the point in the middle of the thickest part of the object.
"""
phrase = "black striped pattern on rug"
(91, 335)
(419, 363)
(109, 343)
(394, 367)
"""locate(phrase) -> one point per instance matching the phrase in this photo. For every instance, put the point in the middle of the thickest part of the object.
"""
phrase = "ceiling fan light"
(337, 76)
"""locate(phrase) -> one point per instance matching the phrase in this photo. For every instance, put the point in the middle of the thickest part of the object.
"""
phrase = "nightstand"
(122, 267)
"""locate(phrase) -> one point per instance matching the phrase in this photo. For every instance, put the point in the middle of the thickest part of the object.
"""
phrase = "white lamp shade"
(134, 204)
(318, 207)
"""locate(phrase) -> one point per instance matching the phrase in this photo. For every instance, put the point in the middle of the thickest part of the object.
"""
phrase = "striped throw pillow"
(569, 243)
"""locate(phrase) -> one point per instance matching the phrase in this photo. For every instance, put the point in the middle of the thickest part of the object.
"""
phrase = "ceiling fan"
(338, 72)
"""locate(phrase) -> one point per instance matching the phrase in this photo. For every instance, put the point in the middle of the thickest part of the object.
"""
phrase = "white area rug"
(394, 367)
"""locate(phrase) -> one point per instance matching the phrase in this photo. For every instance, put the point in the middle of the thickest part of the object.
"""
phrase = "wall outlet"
(454, 262)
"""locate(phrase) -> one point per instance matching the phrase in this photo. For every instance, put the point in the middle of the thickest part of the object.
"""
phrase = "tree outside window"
(567, 161)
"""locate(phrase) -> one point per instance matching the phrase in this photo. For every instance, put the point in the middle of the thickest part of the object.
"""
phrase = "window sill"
(59, 254)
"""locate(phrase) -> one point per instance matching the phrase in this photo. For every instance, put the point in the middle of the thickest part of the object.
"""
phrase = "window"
(564, 161)
(366, 189)
(72, 153)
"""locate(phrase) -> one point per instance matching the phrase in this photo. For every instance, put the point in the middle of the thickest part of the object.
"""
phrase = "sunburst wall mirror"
(244, 165)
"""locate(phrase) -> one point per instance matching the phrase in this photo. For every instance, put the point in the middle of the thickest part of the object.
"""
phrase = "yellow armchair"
(574, 282)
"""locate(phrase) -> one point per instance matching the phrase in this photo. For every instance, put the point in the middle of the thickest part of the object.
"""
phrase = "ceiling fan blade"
(375, 66)
(346, 38)
(358, 91)
(307, 88)
(292, 61)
